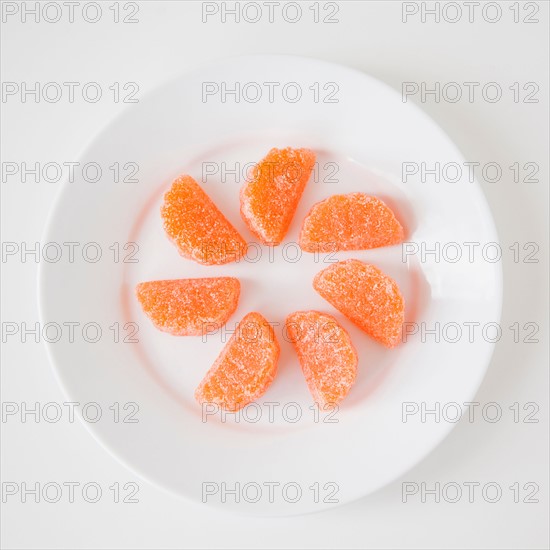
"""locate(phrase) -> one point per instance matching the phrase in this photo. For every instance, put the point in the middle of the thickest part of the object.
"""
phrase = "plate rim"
(56, 205)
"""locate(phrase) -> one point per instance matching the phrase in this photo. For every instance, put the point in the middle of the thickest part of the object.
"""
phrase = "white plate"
(366, 134)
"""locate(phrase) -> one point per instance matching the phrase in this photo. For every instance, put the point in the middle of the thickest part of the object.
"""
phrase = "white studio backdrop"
(131, 48)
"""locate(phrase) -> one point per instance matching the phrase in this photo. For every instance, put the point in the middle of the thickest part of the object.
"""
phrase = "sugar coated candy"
(244, 369)
(327, 356)
(189, 307)
(355, 221)
(365, 295)
(196, 226)
(270, 197)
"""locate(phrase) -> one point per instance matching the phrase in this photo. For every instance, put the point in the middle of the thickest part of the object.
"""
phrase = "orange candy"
(349, 222)
(244, 369)
(365, 295)
(189, 307)
(269, 200)
(326, 354)
(199, 230)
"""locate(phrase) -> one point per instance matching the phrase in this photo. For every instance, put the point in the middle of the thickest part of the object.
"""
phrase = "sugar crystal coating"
(365, 295)
(355, 221)
(196, 226)
(270, 198)
(326, 353)
(189, 307)
(244, 369)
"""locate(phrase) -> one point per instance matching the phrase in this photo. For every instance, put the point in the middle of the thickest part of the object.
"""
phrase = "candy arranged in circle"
(244, 369)
(270, 198)
(355, 221)
(189, 307)
(196, 226)
(365, 295)
(326, 353)
(248, 363)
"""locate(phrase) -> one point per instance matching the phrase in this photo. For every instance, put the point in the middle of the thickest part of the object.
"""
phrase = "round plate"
(280, 455)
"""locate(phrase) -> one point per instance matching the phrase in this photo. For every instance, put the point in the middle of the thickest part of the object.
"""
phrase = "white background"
(169, 39)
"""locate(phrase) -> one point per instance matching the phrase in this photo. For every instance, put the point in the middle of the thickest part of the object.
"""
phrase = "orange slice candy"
(366, 296)
(244, 369)
(349, 222)
(269, 200)
(326, 354)
(189, 307)
(196, 226)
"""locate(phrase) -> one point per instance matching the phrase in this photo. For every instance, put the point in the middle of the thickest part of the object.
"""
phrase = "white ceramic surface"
(362, 141)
